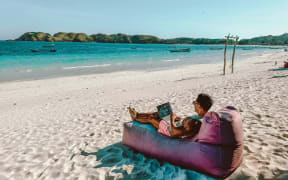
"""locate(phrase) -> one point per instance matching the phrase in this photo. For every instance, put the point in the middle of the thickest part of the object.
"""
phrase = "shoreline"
(18, 63)
(47, 124)
(52, 72)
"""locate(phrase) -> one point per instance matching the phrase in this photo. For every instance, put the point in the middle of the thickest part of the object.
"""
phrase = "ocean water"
(18, 62)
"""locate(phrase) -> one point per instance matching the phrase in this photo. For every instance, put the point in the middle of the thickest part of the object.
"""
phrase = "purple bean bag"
(217, 152)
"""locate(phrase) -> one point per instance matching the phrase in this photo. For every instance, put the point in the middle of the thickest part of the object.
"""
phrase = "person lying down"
(189, 126)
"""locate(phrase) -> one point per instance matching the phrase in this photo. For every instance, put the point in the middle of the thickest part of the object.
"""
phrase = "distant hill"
(266, 40)
(113, 38)
(144, 39)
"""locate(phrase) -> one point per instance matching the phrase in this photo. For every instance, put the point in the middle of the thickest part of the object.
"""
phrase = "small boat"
(133, 48)
(44, 50)
(34, 50)
(180, 50)
(215, 48)
(275, 48)
(48, 46)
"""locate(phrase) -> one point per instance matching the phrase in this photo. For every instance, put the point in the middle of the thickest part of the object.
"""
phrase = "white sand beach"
(70, 127)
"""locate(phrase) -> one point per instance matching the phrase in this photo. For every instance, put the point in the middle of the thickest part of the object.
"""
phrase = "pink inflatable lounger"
(215, 160)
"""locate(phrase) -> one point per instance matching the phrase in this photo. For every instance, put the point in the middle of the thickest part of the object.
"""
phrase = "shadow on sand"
(280, 76)
(279, 69)
(125, 163)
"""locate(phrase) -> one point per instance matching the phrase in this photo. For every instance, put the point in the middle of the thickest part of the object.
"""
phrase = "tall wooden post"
(235, 43)
(227, 40)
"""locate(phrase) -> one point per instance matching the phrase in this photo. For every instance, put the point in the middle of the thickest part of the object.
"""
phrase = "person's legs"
(152, 118)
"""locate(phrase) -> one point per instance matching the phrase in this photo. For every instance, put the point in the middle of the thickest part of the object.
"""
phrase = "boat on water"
(180, 50)
(275, 48)
(45, 49)
(216, 48)
(42, 50)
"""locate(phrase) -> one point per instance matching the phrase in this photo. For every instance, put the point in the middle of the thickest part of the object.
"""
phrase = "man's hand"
(172, 119)
(173, 116)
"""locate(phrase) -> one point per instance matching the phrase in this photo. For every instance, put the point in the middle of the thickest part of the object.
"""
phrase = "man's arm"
(176, 131)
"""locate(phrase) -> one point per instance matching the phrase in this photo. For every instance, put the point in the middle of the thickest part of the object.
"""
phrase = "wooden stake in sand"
(235, 43)
(227, 40)
(225, 50)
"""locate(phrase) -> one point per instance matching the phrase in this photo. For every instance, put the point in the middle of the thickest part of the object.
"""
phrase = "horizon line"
(140, 34)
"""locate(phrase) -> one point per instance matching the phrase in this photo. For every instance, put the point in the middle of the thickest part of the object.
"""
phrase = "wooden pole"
(227, 40)
(235, 43)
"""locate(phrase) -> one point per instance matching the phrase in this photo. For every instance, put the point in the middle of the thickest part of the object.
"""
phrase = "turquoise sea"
(18, 62)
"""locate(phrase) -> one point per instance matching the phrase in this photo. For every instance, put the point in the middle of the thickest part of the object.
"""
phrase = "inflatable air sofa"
(215, 151)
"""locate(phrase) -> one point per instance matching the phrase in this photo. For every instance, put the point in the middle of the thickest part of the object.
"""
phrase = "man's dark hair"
(205, 101)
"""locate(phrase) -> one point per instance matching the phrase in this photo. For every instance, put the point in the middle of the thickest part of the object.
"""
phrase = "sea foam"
(83, 67)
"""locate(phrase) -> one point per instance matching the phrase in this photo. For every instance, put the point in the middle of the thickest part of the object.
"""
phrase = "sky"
(162, 18)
